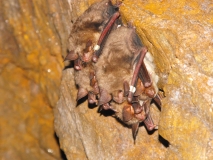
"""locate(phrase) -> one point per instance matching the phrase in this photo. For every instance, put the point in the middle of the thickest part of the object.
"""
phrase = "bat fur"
(84, 36)
(115, 68)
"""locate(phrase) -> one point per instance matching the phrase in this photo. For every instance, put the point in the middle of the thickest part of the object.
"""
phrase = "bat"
(115, 67)
(126, 77)
(87, 35)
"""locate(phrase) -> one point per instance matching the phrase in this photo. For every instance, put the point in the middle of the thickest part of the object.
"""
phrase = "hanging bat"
(87, 35)
(125, 112)
(126, 85)
(116, 65)
(86, 31)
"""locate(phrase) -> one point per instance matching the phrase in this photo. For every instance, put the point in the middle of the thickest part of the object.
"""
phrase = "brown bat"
(122, 60)
(87, 35)
(117, 64)
(125, 112)
(86, 31)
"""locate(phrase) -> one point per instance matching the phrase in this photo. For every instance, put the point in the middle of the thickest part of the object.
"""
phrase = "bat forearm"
(135, 74)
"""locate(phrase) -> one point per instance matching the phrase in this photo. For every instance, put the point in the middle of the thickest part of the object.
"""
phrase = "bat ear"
(118, 96)
(82, 92)
(135, 127)
(127, 113)
(105, 97)
(71, 56)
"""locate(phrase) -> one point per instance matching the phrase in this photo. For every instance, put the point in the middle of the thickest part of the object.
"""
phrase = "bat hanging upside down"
(123, 77)
(88, 34)
(126, 85)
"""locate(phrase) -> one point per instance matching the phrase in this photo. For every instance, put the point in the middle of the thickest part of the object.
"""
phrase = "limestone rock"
(33, 35)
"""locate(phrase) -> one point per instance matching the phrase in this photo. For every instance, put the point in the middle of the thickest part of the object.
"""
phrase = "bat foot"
(107, 106)
(92, 98)
(105, 97)
(82, 92)
(118, 96)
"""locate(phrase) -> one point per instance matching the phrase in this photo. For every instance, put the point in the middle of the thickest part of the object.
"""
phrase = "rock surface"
(33, 39)
(179, 35)
(33, 35)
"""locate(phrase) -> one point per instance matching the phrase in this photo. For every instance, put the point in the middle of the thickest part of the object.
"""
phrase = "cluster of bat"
(112, 67)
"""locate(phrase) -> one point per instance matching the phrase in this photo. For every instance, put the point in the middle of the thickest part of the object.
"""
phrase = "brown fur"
(116, 63)
(114, 72)
(84, 36)
(87, 29)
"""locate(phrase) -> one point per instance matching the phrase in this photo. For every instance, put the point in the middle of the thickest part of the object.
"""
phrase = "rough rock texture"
(179, 35)
(33, 35)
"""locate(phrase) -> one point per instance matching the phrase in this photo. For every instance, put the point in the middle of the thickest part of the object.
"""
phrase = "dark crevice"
(62, 154)
(163, 141)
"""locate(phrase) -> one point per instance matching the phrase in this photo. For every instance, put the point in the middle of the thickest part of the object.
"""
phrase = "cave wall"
(33, 40)
(33, 36)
